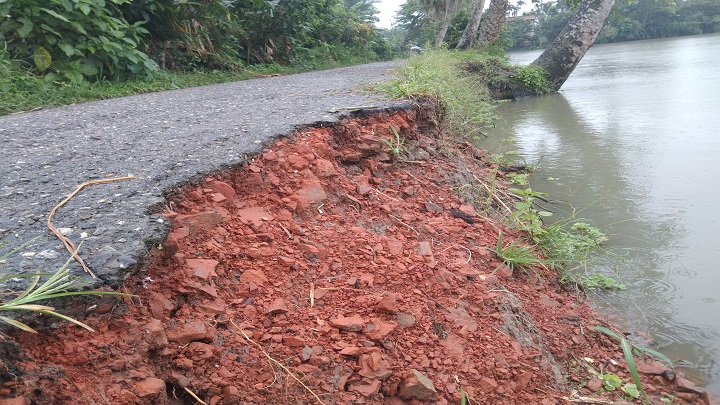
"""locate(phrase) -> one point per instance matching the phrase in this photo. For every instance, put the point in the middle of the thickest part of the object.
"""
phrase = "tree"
(492, 25)
(447, 17)
(569, 47)
(468, 36)
(365, 9)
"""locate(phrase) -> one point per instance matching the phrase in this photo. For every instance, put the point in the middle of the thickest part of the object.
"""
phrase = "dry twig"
(312, 295)
(494, 196)
(290, 373)
(408, 226)
(192, 394)
(69, 245)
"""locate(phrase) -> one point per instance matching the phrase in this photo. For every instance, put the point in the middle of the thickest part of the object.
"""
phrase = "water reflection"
(633, 140)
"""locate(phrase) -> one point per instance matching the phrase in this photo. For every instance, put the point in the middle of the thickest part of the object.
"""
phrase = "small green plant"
(396, 145)
(526, 215)
(565, 240)
(601, 281)
(518, 255)
(56, 286)
(532, 78)
(611, 381)
(627, 349)
(631, 390)
(504, 159)
(669, 399)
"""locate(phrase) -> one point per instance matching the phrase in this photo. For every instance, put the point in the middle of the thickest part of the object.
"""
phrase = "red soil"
(362, 275)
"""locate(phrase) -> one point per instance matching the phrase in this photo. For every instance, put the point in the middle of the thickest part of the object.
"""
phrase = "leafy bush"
(532, 78)
(72, 39)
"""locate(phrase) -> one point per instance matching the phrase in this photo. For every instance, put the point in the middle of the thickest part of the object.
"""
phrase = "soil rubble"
(328, 270)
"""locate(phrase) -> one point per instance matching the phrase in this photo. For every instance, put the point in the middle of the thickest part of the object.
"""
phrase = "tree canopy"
(629, 21)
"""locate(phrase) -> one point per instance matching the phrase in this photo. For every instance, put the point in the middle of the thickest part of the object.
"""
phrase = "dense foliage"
(419, 21)
(633, 20)
(76, 40)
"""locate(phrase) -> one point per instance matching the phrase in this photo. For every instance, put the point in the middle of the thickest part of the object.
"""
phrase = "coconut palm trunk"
(471, 29)
(569, 47)
(492, 25)
(447, 18)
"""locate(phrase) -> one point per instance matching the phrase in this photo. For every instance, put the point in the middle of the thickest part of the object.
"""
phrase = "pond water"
(633, 140)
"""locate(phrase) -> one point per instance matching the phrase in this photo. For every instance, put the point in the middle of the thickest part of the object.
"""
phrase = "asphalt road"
(165, 140)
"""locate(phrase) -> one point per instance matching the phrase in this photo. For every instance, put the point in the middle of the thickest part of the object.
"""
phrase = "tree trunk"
(468, 36)
(446, 23)
(569, 47)
(493, 23)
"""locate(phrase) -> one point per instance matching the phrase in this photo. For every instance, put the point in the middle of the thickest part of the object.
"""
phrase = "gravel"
(166, 140)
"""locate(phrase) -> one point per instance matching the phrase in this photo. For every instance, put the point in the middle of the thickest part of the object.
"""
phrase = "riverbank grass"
(563, 246)
(439, 74)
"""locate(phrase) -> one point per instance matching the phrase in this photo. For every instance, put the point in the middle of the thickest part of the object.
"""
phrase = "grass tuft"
(517, 255)
(58, 285)
(440, 74)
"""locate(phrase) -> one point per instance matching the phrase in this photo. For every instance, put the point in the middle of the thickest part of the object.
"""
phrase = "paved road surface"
(165, 140)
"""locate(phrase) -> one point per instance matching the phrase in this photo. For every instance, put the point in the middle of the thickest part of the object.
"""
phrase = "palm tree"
(492, 25)
(365, 9)
(468, 36)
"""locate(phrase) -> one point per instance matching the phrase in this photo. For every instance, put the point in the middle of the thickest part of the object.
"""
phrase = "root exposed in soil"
(329, 271)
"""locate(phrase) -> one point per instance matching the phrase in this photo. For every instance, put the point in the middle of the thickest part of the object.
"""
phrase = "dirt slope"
(329, 271)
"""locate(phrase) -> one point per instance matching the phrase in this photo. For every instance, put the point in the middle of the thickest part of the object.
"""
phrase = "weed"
(395, 145)
(601, 281)
(611, 381)
(56, 286)
(439, 74)
(627, 349)
(526, 215)
(532, 78)
(504, 159)
(518, 255)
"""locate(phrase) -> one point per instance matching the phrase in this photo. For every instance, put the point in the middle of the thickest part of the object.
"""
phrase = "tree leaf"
(67, 48)
(42, 58)
(26, 28)
(50, 29)
(88, 69)
(78, 27)
(84, 8)
(56, 15)
(67, 5)
(74, 76)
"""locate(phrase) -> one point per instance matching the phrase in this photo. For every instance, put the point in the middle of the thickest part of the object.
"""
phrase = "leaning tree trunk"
(468, 36)
(446, 23)
(494, 21)
(569, 47)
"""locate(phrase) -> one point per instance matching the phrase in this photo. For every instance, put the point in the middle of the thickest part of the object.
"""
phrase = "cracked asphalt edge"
(166, 140)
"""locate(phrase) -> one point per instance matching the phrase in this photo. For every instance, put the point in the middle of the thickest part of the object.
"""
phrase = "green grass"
(517, 255)
(439, 74)
(58, 285)
(396, 145)
(23, 91)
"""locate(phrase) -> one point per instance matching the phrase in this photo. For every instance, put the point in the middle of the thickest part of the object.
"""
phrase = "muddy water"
(634, 140)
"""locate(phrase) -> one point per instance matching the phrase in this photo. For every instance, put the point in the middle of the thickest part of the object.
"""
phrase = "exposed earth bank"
(330, 270)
